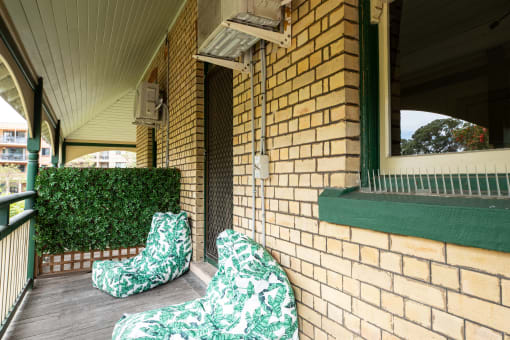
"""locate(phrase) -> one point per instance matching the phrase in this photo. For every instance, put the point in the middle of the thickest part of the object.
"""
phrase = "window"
(13, 188)
(45, 151)
(120, 164)
(21, 167)
(8, 137)
(21, 137)
(444, 85)
(13, 154)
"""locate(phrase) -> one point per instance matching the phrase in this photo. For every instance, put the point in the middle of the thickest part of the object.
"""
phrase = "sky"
(410, 121)
(8, 114)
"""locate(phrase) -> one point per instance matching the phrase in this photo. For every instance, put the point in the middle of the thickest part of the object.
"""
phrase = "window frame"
(472, 161)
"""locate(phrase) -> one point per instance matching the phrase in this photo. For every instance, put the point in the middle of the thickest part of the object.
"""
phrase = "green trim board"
(63, 162)
(33, 147)
(206, 101)
(369, 93)
(13, 198)
(473, 222)
(210, 261)
(16, 221)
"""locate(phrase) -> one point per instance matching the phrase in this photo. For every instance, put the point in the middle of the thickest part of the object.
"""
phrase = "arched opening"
(47, 138)
(14, 128)
(14, 88)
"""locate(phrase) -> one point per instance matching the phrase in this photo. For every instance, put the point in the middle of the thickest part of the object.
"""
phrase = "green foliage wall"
(84, 209)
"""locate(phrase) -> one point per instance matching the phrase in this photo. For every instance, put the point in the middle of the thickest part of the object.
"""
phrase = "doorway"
(219, 156)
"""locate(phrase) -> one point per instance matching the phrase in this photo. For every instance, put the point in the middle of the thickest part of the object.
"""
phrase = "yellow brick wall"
(364, 284)
(312, 124)
(350, 283)
(143, 147)
(185, 129)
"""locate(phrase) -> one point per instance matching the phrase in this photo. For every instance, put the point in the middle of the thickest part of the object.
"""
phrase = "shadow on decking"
(67, 307)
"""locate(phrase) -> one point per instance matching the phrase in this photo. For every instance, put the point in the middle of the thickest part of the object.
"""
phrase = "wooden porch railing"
(16, 255)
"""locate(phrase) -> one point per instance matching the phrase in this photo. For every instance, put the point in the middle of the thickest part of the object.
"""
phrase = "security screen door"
(218, 143)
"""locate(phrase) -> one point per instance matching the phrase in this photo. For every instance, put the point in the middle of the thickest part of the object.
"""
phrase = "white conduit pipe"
(253, 184)
(263, 134)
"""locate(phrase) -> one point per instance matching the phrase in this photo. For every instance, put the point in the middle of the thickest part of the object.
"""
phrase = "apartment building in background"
(105, 159)
(14, 156)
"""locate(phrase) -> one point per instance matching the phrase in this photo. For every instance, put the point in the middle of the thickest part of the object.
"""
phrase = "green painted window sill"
(474, 222)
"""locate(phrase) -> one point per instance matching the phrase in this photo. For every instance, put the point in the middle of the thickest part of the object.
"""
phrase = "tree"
(10, 173)
(472, 137)
(437, 136)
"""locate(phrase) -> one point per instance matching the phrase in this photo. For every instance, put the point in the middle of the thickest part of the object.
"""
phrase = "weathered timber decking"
(67, 307)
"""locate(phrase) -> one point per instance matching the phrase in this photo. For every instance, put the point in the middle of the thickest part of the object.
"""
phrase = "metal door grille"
(219, 172)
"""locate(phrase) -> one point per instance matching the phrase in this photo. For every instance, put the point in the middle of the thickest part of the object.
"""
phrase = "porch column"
(63, 160)
(33, 147)
(56, 146)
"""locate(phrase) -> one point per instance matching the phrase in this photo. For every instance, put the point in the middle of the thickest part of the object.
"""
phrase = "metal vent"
(229, 28)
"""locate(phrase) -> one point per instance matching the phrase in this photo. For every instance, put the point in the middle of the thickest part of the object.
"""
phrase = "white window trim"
(494, 160)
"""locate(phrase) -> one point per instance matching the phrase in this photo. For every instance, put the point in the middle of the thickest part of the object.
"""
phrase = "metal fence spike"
(469, 181)
(460, 182)
(428, 180)
(497, 180)
(478, 181)
(435, 181)
(487, 182)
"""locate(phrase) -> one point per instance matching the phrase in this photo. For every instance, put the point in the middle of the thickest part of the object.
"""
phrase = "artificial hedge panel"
(84, 209)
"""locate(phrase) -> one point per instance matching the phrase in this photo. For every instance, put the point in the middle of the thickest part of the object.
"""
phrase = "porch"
(363, 265)
(50, 309)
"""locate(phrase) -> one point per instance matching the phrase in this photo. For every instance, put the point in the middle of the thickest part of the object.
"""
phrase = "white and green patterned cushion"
(166, 256)
(250, 297)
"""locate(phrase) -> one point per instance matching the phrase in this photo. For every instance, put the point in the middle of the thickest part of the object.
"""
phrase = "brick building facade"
(349, 282)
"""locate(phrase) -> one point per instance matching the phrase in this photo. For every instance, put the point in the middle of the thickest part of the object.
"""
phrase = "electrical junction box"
(261, 166)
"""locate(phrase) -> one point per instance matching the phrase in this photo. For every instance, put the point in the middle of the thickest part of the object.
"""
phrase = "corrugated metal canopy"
(90, 52)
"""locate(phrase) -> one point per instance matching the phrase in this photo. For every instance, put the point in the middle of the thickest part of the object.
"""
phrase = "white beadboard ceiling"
(90, 54)
(110, 124)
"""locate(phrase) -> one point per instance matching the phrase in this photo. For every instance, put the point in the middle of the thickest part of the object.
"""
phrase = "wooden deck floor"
(67, 307)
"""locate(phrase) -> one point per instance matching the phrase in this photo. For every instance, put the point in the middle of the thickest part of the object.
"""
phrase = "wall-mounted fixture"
(227, 29)
(147, 105)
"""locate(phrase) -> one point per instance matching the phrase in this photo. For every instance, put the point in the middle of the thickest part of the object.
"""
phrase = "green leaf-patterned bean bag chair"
(250, 297)
(166, 256)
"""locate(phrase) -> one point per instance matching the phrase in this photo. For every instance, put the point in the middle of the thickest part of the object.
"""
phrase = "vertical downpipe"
(263, 135)
(253, 184)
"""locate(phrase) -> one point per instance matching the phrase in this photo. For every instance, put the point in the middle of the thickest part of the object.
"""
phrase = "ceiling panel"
(90, 52)
(112, 124)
